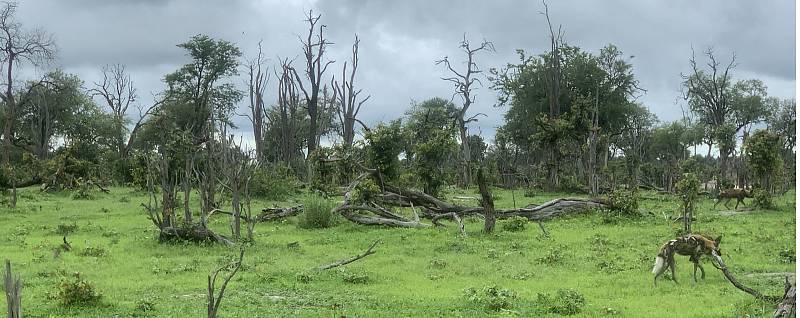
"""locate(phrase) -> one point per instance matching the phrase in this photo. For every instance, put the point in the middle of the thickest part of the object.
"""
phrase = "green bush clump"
(77, 292)
(623, 203)
(763, 199)
(514, 224)
(66, 228)
(316, 213)
(94, 251)
(492, 298)
(565, 302)
(355, 277)
(274, 183)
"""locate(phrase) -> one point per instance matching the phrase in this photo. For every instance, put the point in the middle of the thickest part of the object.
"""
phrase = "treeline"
(573, 122)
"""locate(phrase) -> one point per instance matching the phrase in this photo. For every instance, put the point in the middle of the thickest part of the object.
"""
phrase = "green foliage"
(688, 188)
(94, 251)
(66, 228)
(324, 172)
(514, 224)
(77, 292)
(274, 183)
(763, 152)
(84, 190)
(432, 142)
(491, 298)
(354, 277)
(365, 191)
(384, 143)
(763, 199)
(316, 213)
(565, 302)
(624, 203)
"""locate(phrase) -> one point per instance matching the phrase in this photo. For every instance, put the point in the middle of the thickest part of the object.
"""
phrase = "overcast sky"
(400, 40)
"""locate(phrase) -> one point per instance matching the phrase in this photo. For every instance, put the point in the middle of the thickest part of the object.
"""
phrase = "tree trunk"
(465, 153)
(13, 288)
(487, 202)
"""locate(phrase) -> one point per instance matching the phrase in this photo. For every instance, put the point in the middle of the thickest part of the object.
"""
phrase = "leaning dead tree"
(349, 102)
(346, 261)
(13, 288)
(464, 85)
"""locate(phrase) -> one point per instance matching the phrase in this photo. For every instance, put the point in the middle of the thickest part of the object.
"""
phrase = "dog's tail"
(660, 263)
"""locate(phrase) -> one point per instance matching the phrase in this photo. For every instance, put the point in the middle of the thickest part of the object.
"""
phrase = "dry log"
(366, 253)
(787, 307)
(553, 208)
(452, 215)
(349, 212)
(721, 266)
(267, 214)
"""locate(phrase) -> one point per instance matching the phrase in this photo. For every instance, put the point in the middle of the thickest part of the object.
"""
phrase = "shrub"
(553, 256)
(316, 213)
(275, 183)
(65, 228)
(77, 292)
(624, 203)
(355, 277)
(763, 199)
(566, 302)
(364, 192)
(94, 251)
(514, 224)
(787, 256)
(493, 298)
(530, 192)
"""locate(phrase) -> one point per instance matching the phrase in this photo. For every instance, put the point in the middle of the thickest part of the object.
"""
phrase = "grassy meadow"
(414, 272)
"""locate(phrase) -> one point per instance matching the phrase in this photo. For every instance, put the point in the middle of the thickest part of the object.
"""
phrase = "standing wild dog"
(693, 246)
(729, 194)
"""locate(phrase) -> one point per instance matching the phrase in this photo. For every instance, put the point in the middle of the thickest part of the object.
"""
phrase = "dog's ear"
(718, 240)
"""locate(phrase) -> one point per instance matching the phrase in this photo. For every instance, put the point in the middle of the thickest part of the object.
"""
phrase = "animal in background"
(694, 246)
(729, 194)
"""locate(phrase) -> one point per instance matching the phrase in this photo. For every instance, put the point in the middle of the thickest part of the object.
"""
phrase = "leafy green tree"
(667, 148)
(763, 152)
(432, 143)
(384, 144)
(725, 106)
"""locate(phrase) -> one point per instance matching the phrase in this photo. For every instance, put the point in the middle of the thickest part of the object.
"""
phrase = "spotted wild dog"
(729, 194)
(693, 246)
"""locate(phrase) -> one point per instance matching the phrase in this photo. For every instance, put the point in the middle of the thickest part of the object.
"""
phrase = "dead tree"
(314, 46)
(553, 81)
(349, 102)
(13, 288)
(214, 298)
(288, 104)
(788, 306)
(237, 170)
(256, 86)
(463, 82)
(18, 46)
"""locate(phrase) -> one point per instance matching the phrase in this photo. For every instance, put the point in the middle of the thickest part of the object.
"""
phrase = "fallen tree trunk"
(787, 307)
(267, 214)
(366, 253)
(553, 208)
(349, 212)
(736, 283)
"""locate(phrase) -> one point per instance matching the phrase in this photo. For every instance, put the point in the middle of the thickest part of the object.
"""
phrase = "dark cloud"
(402, 39)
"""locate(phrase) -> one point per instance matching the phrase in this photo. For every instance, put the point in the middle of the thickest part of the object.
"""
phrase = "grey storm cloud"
(400, 40)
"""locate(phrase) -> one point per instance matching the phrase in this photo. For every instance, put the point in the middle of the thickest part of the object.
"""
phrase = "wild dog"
(693, 246)
(729, 194)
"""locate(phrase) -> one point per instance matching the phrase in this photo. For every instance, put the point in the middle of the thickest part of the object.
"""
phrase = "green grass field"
(415, 272)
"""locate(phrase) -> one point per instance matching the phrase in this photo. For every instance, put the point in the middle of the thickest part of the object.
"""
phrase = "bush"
(275, 183)
(77, 292)
(93, 251)
(493, 298)
(355, 277)
(65, 228)
(316, 213)
(763, 199)
(514, 224)
(624, 203)
(566, 302)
